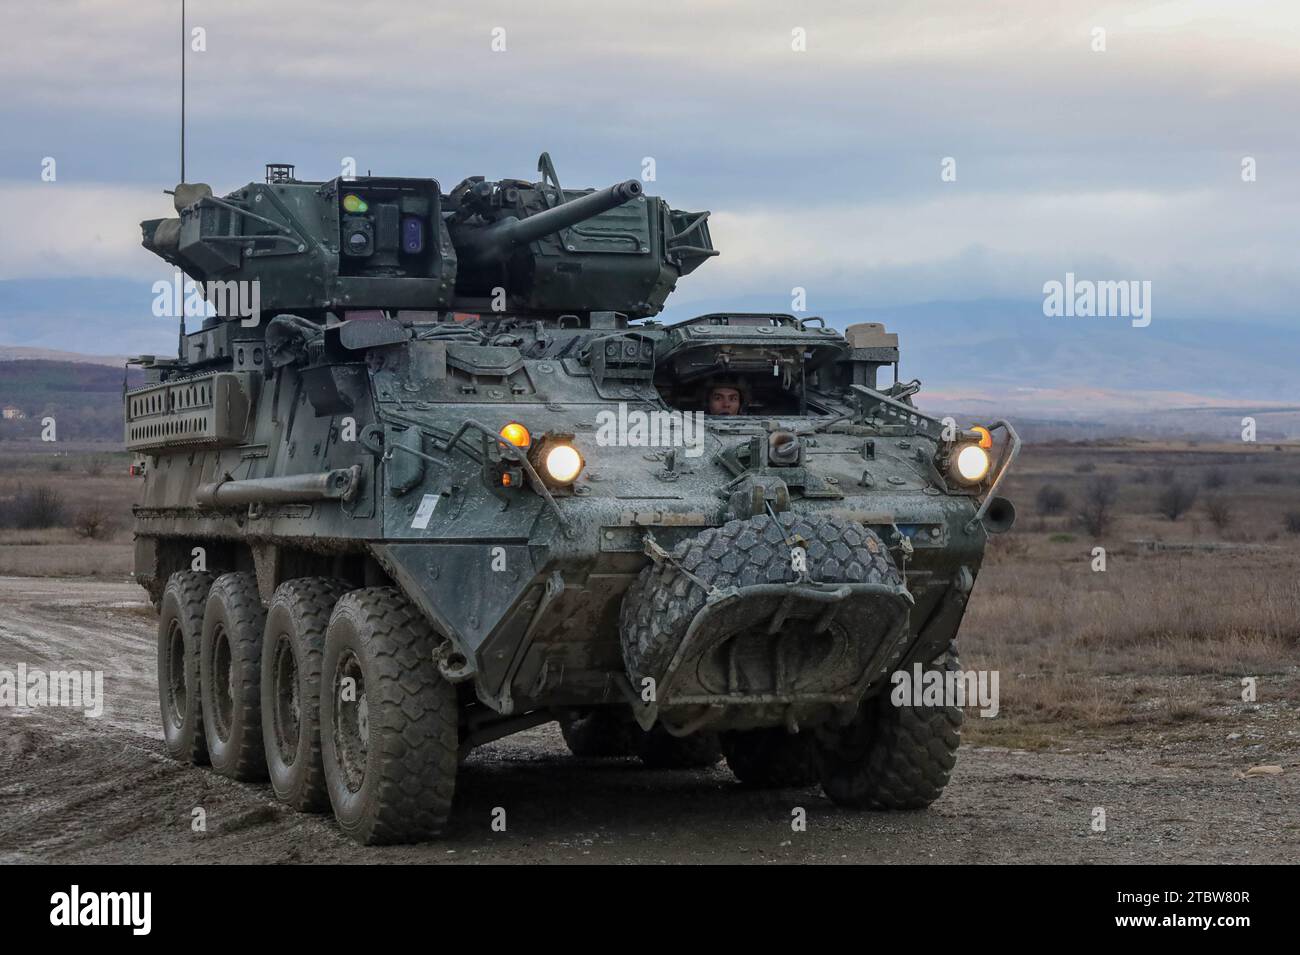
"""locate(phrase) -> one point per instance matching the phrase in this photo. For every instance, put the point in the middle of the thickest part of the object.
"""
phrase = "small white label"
(424, 511)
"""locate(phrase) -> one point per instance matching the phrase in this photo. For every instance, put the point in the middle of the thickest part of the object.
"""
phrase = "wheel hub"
(352, 720)
(288, 707)
(223, 684)
(176, 691)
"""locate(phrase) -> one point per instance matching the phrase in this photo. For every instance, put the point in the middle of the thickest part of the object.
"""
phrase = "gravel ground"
(91, 790)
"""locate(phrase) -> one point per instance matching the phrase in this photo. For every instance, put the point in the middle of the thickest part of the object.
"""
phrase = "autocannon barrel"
(479, 246)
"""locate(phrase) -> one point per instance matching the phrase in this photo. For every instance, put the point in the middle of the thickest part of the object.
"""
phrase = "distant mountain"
(978, 357)
(84, 398)
(18, 353)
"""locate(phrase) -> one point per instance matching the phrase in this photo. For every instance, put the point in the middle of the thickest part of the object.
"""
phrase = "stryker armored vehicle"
(448, 480)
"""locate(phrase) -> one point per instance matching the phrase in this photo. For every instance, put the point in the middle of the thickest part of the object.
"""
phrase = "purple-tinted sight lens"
(412, 235)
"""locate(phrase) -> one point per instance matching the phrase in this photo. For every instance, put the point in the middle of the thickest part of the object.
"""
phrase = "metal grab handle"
(240, 211)
(370, 441)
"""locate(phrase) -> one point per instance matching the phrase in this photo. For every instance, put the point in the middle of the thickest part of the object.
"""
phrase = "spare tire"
(662, 602)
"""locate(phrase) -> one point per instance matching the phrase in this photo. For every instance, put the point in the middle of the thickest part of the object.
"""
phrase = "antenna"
(180, 339)
(183, 90)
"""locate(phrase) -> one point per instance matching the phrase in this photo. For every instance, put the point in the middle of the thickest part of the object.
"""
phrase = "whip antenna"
(182, 90)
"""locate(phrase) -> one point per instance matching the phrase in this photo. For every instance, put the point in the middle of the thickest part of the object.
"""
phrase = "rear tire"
(292, 647)
(771, 758)
(389, 721)
(180, 632)
(230, 677)
(893, 757)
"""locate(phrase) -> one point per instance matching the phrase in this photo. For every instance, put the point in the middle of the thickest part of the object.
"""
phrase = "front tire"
(389, 721)
(230, 677)
(292, 648)
(893, 757)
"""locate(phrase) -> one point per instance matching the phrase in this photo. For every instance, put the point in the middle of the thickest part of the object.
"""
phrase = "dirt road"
(79, 789)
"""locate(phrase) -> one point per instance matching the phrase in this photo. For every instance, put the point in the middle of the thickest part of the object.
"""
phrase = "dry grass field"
(87, 490)
(1160, 639)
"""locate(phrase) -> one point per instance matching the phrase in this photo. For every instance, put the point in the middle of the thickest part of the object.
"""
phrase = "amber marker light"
(516, 434)
(986, 437)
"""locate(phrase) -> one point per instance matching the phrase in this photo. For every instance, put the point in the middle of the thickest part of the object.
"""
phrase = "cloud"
(822, 167)
(62, 229)
(1204, 250)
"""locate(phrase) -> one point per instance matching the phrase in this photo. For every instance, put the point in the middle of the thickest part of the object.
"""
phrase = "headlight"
(563, 463)
(972, 463)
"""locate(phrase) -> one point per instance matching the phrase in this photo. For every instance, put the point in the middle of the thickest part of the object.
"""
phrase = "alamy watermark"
(940, 688)
(130, 909)
(240, 299)
(74, 689)
(1084, 298)
(633, 428)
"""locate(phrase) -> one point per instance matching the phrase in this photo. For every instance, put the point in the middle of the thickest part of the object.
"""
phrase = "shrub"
(45, 507)
(1218, 509)
(1215, 478)
(92, 523)
(1176, 500)
(1051, 499)
(32, 508)
(1292, 521)
(1098, 510)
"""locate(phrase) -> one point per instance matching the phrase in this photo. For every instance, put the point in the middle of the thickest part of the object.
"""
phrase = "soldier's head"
(724, 396)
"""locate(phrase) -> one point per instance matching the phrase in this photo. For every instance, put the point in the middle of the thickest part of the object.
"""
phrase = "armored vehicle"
(430, 474)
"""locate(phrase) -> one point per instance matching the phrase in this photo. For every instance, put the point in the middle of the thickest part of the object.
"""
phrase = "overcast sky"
(822, 166)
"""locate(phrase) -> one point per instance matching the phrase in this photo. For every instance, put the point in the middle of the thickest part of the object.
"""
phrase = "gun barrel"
(497, 239)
